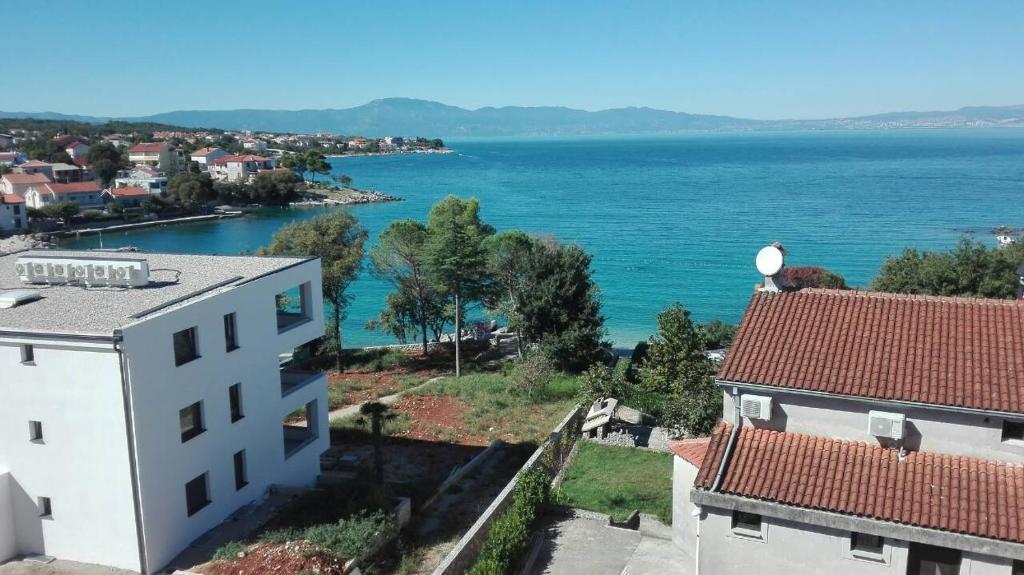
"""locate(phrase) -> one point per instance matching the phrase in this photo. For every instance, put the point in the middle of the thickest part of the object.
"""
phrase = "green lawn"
(617, 480)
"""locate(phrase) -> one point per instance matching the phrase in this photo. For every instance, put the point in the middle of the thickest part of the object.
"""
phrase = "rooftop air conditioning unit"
(756, 406)
(885, 424)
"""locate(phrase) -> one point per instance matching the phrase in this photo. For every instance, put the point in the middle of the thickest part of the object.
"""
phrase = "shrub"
(510, 532)
(349, 538)
(531, 374)
(229, 551)
(89, 215)
(601, 381)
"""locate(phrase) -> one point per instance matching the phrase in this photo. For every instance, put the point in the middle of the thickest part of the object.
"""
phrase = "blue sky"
(769, 59)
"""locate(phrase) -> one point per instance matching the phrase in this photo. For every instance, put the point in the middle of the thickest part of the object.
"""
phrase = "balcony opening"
(294, 378)
(300, 428)
(293, 307)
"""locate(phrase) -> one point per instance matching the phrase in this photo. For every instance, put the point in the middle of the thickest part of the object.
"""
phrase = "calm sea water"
(681, 218)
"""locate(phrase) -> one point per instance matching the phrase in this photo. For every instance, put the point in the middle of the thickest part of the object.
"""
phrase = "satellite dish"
(769, 260)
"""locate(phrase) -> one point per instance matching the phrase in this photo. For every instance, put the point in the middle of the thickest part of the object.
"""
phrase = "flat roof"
(174, 280)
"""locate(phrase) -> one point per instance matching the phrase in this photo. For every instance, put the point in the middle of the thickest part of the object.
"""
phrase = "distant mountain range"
(411, 117)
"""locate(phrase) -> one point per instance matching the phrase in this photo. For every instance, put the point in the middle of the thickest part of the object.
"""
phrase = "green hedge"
(510, 532)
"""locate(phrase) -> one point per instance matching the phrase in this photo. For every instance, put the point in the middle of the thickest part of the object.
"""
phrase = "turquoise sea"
(680, 218)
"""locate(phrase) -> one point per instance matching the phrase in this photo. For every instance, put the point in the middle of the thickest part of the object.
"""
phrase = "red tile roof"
(963, 352)
(691, 450)
(148, 147)
(947, 492)
(129, 192)
(34, 164)
(205, 151)
(26, 178)
(74, 188)
(236, 159)
(11, 199)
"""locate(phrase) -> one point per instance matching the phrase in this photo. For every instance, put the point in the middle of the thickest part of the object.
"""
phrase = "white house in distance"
(142, 177)
(35, 167)
(85, 194)
(135, 420)
(126, 197)
(19, 184)
(152, 154)
(258, 146)
(77, 150)
(239, 168)
(12, 212)
(203, 157)
(863, 432)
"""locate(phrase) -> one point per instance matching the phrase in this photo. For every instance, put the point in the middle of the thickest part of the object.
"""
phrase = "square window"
(191, 420)
(241, 476)
(185, 346)
(235, 397)
(28, 354)
(196, 495)
(864, 544)
(1013, 430)
(45, 508)
(748, 524)
(230, 332)
(35, 431)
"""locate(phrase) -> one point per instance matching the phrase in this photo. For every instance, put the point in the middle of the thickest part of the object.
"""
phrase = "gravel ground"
(654, 438)
(58, 568)
(20, 242)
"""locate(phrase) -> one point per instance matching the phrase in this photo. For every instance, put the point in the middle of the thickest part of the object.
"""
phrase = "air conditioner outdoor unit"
(886, 424)
(756, 406)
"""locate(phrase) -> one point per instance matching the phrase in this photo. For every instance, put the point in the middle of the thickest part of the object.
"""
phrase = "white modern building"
(143, 411)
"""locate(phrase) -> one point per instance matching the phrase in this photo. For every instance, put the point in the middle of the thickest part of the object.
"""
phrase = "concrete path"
(582, 544)
(58, 567)
(350, 410)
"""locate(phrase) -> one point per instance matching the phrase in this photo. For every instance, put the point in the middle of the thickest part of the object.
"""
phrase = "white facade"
(113, 459)
(13, 215)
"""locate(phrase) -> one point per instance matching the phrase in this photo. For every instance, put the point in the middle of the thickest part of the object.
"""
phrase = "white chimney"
(770, 261)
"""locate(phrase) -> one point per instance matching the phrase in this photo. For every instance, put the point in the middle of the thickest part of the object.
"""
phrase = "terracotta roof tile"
(148, 147)
(129, 192)
(963, 352)
(691, 450)
(11, 199)
(937, 491)
(74, 188)
(26, 178)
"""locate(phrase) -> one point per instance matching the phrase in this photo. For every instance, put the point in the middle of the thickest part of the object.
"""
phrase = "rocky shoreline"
(22, 242)
(344, 197)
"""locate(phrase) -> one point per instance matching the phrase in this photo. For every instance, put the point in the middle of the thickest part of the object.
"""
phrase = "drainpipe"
(738, 419)
(132, 464)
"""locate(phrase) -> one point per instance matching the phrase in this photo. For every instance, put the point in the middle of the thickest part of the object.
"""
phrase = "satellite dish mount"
(770, 261)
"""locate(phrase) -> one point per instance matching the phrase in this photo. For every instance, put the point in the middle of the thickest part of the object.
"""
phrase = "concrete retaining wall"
(550, 456)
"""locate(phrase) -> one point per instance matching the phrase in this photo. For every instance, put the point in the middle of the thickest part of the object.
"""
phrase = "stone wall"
(550, 456)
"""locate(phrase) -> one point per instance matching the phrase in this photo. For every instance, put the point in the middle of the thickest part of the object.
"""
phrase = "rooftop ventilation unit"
(886, 425)
(51, 270)
(756, 406)
(14, 298)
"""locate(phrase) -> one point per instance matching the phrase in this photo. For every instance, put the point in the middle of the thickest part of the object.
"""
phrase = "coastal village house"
(85, 194)
(76, 149)
(19, 184)
(68, 173)
(137, 418)
(142, 177)
(126, 197)
(203, 157)
(8, 158)
(12, 213)
(239, 168)
(35, 167)
(152, 154)
(863, 433)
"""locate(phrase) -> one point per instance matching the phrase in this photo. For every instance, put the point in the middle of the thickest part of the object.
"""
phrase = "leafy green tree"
(455, 256)
(800, 277)
(275, 188)
(105, 160)
(63, 211)
(5, 169)
(508, 258)
(400, 258)
(316, 163)
(718, 334)
(294, 162)
(677, 367)
(191, 190)
(969, 269)
(560, 305)
(338, 240)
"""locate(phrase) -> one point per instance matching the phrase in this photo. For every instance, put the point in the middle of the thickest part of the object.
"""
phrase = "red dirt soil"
(289, 558)
(436, 418)
(373, 384)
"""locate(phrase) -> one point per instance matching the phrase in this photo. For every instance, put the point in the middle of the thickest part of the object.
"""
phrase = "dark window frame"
(187, 350)
(197, 494)
(28, 354)
(867, 544)
(45, 508)
(1012, 430)
(236, 403)
(747, 523)
(197, 427)
(241, 470)
(35, 431)
(230, 332)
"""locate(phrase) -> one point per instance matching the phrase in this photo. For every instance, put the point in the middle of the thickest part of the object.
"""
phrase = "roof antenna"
(770, 261)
